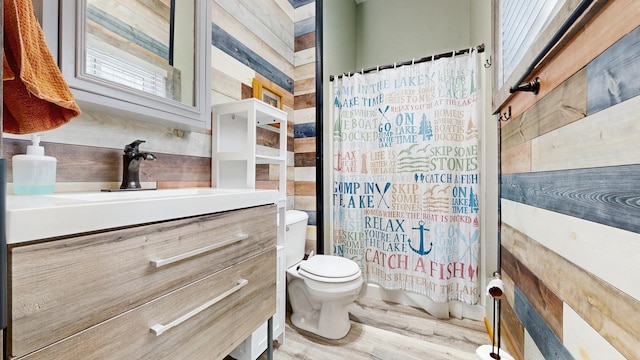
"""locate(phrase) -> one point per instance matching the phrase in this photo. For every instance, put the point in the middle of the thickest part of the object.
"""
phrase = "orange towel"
(36, 97)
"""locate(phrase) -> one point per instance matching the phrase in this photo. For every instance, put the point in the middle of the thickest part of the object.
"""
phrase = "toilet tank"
(296, 235)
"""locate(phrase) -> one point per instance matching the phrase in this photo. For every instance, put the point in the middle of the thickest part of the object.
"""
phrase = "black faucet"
(131, 165)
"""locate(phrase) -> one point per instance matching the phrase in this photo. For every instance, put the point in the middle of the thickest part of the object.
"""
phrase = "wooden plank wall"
(570, 204)
(255, 39)
(305, 114)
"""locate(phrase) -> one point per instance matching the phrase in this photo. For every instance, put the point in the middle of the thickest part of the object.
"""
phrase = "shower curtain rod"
(479, 48)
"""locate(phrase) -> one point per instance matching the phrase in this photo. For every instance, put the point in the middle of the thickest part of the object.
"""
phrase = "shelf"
(234, 157)
(263, 159)
(235, 152)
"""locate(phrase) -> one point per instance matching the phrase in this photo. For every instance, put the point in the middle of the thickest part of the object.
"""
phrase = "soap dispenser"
(34, 173)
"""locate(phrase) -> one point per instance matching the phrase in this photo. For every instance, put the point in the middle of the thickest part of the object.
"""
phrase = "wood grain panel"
(610, 311)
(564, 105)
(509, 285)
(305, 144)
(306, 71)
(606, 138)
(602, 195)
(266, 20)
(267, 138)
(305, 188)
(304, 86)
(585, 340)
(267, 185)
(298, 3)
(616, 19)
(234, 27)
(305, 26)
(225, 84)
(516, 159)
(304, 130)
(305, 12)
(305, 41)
(233, 68)
(305, 101)
(612, 75)
(303, 57)
(106, 164)
(108, 131)
(287, 7)
(305, 159)
(232, 47)
(512, 330)
(305, 116)
(262, 172)
(581, 242)
(247, 91)
(543, 300)
(64, 286)
(546, 341)
(128, 335)
(182, 184)
(290, 139)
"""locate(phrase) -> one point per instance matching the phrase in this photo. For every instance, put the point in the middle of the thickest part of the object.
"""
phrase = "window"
(521, 21)
(106, 66)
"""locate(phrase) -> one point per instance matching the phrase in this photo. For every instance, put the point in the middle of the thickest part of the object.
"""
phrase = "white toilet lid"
(329, 268)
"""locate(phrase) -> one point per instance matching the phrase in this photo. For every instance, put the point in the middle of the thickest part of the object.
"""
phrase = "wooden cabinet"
(188, 288)
(235, 153)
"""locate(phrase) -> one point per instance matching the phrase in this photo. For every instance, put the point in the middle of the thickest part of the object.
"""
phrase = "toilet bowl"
(321, 287)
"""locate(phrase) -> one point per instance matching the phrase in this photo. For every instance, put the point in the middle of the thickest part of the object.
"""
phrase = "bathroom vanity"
(184, 273)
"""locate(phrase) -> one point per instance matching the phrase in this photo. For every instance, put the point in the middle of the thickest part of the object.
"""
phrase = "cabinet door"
(64, 286)
(243, 297)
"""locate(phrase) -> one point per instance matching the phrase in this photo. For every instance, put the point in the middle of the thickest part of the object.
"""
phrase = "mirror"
(143, 59)
(132, 42)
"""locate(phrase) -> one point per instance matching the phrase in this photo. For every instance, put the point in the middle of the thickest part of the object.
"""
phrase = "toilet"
(321, 287)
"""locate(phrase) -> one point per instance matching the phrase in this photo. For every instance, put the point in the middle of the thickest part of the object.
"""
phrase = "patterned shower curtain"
(405, 184)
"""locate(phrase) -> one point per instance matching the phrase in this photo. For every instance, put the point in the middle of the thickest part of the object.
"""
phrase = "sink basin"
(65, 214)
(139, 194)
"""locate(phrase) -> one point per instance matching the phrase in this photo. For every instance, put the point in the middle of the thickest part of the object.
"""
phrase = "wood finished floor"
(387, 331)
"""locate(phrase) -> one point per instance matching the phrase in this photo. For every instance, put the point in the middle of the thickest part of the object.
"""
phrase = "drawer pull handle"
(196, 252)
(159, 329)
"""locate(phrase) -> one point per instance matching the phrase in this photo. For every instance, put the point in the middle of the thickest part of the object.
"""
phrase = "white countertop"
(33, 217)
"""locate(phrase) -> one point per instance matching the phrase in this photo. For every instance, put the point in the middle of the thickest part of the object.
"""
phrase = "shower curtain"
(405, 183)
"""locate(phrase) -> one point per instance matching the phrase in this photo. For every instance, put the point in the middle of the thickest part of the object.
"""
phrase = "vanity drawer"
(245, 295)
(60, 287)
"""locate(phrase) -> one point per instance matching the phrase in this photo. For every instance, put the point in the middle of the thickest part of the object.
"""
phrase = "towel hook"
(506, 116)
(487, 63)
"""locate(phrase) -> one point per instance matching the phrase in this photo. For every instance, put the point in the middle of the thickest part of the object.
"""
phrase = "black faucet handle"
(132, 149)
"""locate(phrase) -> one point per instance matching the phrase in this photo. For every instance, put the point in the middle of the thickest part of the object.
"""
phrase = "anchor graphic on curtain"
(420, 250)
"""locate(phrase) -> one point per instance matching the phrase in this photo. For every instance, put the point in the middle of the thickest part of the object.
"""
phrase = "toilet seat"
(329, 269)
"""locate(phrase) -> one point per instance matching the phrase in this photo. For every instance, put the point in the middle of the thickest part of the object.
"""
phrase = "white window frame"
(550, 26)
